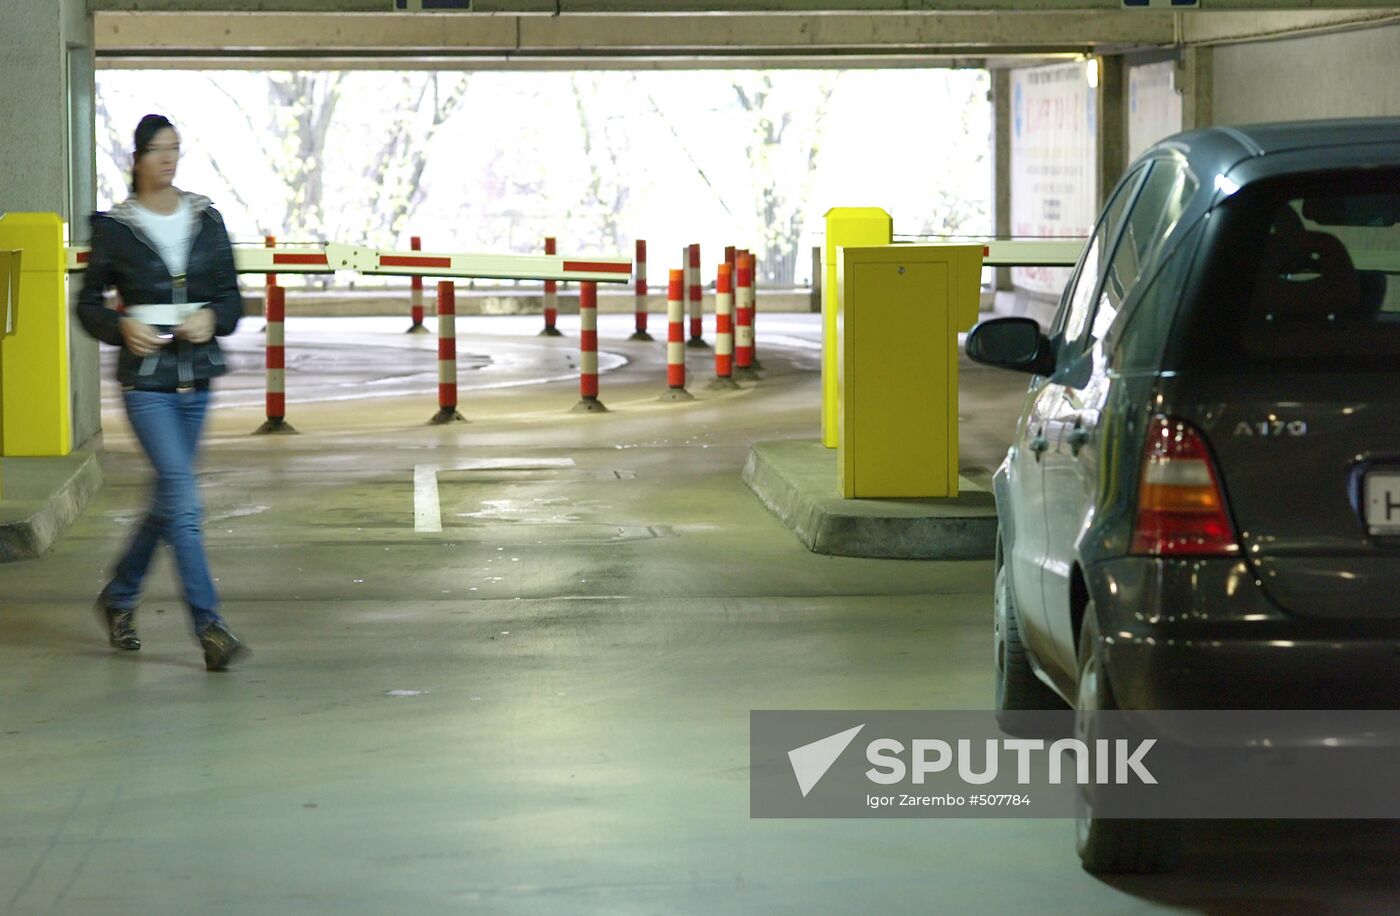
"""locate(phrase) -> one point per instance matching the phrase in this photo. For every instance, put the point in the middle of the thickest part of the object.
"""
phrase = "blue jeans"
(168, 425)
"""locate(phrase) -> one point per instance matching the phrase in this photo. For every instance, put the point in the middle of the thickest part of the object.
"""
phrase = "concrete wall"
(1348, 74)
(32, 70)
(82, 152)
(46, 67)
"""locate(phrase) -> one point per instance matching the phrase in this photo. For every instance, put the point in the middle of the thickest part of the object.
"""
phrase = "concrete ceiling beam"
(945, 6)
(1232, 28)
(554, 7)
(887, 32)
(677, 40)
(331, 35)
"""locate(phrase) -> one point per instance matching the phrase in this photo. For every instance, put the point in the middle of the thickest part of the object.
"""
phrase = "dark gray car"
(1201, 505)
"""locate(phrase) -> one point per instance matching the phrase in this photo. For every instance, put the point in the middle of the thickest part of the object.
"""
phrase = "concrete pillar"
(47, 147)
(46, 66)
(1112, 124)
(1001, 165)
(1195, 83)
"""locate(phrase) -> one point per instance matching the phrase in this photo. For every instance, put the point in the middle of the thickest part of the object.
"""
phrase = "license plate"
(1383, 503)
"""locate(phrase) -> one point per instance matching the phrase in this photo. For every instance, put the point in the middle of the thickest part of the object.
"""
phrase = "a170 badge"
(1273, 428)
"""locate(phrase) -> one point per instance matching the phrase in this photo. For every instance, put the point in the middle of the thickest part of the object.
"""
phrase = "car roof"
(1282, 147)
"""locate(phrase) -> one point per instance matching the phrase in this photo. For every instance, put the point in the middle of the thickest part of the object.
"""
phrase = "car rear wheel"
(1118, 846)
(1017, 687)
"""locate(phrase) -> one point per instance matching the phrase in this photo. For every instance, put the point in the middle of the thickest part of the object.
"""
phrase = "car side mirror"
(1011, 343)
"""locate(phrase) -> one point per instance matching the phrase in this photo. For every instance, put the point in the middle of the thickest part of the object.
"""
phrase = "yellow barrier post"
(35, 403)
(900, 309)
(844, 226)
(9, 297)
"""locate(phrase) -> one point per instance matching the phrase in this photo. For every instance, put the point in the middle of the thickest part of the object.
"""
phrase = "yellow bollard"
(844, 226)
(9, 298)
(35, 404)
(901, 308)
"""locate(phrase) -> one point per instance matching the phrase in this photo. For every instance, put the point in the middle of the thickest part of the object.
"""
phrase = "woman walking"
(168, 254)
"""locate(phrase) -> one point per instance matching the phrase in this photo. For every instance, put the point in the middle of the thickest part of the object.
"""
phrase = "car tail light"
(1181, 505)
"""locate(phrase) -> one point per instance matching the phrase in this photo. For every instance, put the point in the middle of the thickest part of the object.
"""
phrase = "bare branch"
(238, 106)
(685, 148)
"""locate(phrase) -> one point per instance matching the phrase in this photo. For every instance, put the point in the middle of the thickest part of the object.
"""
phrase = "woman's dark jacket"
(123, 257)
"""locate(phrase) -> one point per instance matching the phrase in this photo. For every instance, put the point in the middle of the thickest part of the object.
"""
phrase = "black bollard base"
(550, 332)
(589, 405)
(641, 335)
(746, 374)
(697, 343)
(275, 426)
(447, 415)
(722, 384)
(756, 365)
(677, 394)
(417, 329)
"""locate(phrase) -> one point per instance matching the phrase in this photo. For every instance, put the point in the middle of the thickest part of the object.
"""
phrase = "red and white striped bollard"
(753, 315)
(743, 337)
(696, 294)
(447, 354)
(269, 280)
(641, 292)
(588, 349)
(551, 297)
(675, 339)
(270, 241)
(724, 331)
(415, 293)
(275, 360)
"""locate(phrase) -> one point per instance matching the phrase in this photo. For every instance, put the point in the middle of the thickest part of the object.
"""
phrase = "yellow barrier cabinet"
(848, 226)
(9, 298)
(900, 308)
(35, 406)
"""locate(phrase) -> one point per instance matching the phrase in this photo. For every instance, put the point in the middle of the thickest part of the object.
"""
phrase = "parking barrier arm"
(480, 266)
(334, 256)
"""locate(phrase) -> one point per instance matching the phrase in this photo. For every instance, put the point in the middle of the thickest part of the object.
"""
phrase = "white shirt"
(173, 234)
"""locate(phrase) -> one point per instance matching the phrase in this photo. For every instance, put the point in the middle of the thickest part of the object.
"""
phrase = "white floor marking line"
(427, 508)
(427, 514)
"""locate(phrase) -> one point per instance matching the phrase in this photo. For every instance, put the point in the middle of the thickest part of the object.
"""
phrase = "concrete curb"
(43, 497)
(796, 480)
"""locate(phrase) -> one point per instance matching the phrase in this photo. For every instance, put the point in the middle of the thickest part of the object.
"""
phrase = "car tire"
(1017, 687)
(1113, 846)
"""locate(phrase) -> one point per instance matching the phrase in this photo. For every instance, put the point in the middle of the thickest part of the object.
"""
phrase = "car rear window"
(1304, 273)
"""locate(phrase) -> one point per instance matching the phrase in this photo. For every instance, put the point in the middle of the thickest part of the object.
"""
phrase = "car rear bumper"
(1202, 635)
(1249, 674)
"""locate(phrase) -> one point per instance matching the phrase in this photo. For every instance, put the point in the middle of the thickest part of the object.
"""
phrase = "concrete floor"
(543, 708)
